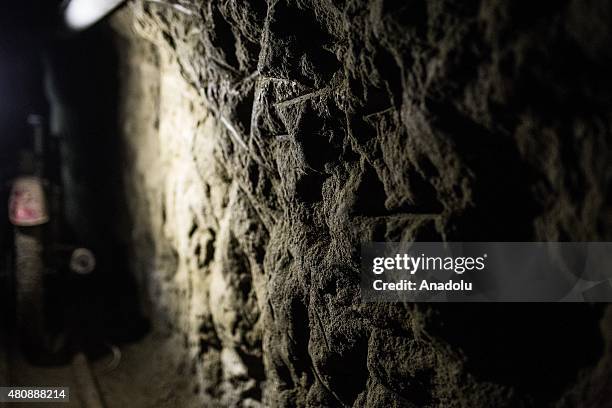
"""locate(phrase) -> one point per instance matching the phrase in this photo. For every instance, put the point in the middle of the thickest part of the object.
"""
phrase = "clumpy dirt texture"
(265, 140)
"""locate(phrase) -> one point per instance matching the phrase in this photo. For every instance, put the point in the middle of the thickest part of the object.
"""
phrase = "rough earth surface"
(264, 140)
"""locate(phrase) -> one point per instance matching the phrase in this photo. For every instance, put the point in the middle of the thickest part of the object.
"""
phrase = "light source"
(80, 14)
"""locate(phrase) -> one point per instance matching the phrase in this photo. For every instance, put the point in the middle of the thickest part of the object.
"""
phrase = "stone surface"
(264, 140)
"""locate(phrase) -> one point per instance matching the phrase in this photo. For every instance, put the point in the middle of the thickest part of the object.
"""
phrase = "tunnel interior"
(225, 161)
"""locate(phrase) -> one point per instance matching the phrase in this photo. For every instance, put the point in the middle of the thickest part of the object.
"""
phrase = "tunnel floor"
(147, 374)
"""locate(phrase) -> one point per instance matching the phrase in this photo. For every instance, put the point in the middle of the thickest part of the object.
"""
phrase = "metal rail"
(87, 386)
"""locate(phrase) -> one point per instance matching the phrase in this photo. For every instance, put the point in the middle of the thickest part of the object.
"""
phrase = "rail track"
(16, 371)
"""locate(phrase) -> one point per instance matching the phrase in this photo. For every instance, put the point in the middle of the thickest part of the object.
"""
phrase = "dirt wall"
(265, 140)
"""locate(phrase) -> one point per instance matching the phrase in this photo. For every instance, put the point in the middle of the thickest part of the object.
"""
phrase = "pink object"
(27, 204)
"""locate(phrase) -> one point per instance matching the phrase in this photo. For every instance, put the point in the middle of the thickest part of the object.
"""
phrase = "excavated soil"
(263, 141)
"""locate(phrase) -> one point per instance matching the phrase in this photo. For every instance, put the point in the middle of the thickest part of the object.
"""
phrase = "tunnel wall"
(265, 140)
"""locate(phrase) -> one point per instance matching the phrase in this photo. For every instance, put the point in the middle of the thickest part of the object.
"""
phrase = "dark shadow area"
(82, 86)
(540, 349)
(71, 80)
